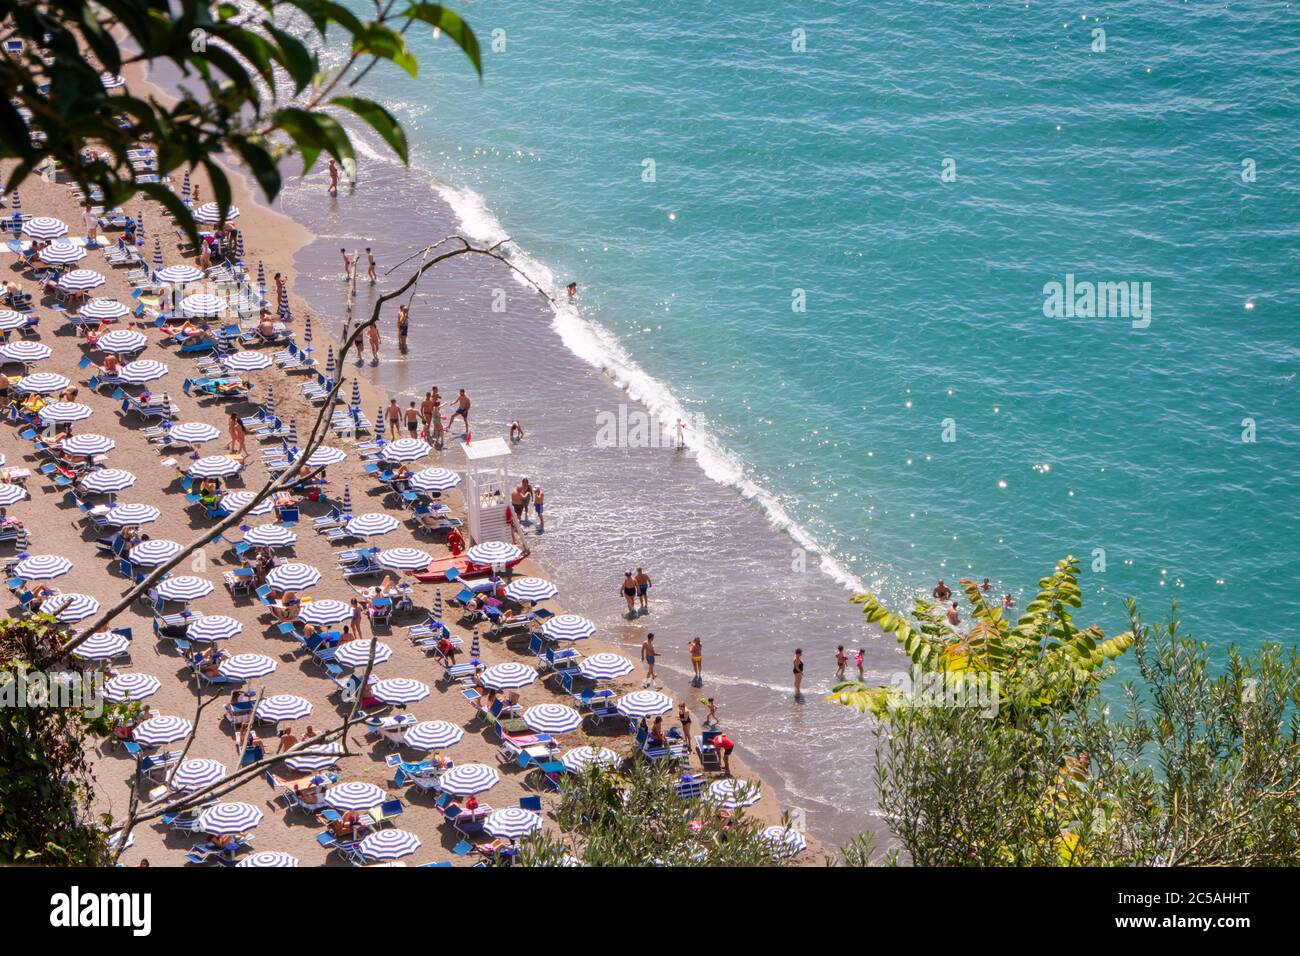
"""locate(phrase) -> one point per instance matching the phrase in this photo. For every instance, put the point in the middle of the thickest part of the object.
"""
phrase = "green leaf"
(450, 23)
(379, 119)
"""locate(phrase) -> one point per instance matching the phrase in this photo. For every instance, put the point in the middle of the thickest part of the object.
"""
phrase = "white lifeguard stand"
(487, 490)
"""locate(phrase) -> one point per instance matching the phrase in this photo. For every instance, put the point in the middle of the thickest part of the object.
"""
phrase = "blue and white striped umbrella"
(232, 501)
(354, 796)
(531, 589)
(389, 844)
(246, 666)
(732, 793)
(404, 559)
(178, 275)
(42, 383)
(406, 449)
(268, 403)
(200, 772)
(493, 552)
(469, 778)
(103, 647)
(325, 456)
(202, 305)
(239, 245)
(268, 858)
(81, 280)
(213, 627)
(283, 313)
(324, 612)
(261, 276)
(157, 731)
(184, 587)
(356, 395)
(132, 514)
(357, 653)
(283, 707)
(25, 352)
(66, 412)
(434, 479)
(512, 823)
(270, 536)
(193, 433)
(293, 576)
(568, 627)
(88, 444)
(107, 480)
(210, 213)
(16, 201)
(552, 719)
(157, 253)
(141, 371)
(10, 320)
(399, 690)
(107, 309)
(784, 841)
(154, 552)
(316, 756)
(111, 81)
(71, 607)
(433, 735)
(42, 567)
(185, 186)
(291, 439)
(45, 227)
(11, 494)
(228, 818)
(372, 523)
(509, 675)
(62, 253)
(139, 227)
(474, 646)
(131, 686)
(330, 364)
(644, 703)
(119, 340)
(579, 758)
(215, 466)
(247, 362)
(346, 506)
(306, 332)
(605, 666)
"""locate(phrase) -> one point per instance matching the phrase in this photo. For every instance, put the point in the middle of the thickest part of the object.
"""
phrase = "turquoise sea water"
(777, 170)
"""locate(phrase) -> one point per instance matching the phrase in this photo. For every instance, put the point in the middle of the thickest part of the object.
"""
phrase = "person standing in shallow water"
(696, 648)
(797, 665)
(403, 324)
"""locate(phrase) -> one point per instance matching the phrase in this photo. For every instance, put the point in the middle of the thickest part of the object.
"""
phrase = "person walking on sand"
(371, 274)
(237, 436)
(628, 590)
(403, 325)
(696, 647)
(334, 178)
(538, 502)
(841, 661)
(797, 665)
(373, 335)
(461, 409)
(684, 718)
(643, 585)
(412, 420)
(648, 655)
(393, 414)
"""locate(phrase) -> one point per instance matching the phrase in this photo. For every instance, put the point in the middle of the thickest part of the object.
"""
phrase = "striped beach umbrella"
(185, 186)
(179, 275)
(346, 506)
(291, 439)
(139, 227)
(325, 456)
(45, 227)
(194, 774)
(357, 653)
(108, 480)
(389, 844)
(11, 494)
(234, 500)
(474, 646)
(605, 666)
(66, 412)
(132, 514)
(102, 647)
(644, 703)
(509, 675)
(107, 309)
(434, 479)
(155, 551)
(42, 567)
(71, 607)
(330, 363)
(131, 686)
(247, 362)
(325, 612)
(283, 707)
(315, 756)
(270, 536)
(784, 842)
(306, 332)
(202, 305)
(184, 587)
(111, 81)
(141, 371)
(10, 320)
(436, 611)
(25, 352)
(579, 758)
(215, 466)
(193, 433)
(157, 731)
(283, 313)
(80, 280)
(268, 403)
(469, 778)
(356, 395)
(531, 589)
(372, 523)
(354, 796)
(731, 793)
(157, 254)
(552, 719)
(210, 213)
(16, 201)
(118, 340)
(89, 444)
(246, 666)
(228, 818)
(512, 823)
(42, 383)
(406, 449)
(239, 245)
(62, 253)
(493, 552)
(399, 690)
(261, 276)
(404, 559)
(268, 858)
(568, 627)
(293, 576)
(213, 627)
(433, 735)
